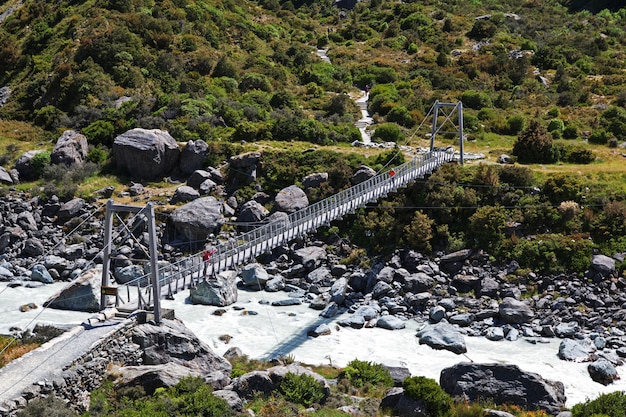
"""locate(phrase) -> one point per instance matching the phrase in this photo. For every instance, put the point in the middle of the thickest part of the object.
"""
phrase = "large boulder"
(70, 209)
(503, 384)
(170, 352)
(291, 199)
(442, 336)
(198, 219)
(82, 294)
(70, 149)
(513, 311)
(252, 213)
(246, 164)
(172, 342)
(146, 154)
(151, 377)
(193, 156)
(364, 173)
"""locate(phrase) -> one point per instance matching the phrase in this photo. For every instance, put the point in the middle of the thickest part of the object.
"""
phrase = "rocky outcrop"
(146, 154)
(184, 194)
(503, 384)
(70, 149)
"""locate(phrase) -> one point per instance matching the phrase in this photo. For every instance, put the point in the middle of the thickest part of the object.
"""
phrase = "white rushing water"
(262, 331)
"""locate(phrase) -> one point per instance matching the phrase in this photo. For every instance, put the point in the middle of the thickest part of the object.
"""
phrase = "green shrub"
(609, 405)
(39, 162)
(388, 132)
(555, 124)
(437, 401)
(301, 389)
(360, 373)
(475, 100)
(516, 175)
(599, 136)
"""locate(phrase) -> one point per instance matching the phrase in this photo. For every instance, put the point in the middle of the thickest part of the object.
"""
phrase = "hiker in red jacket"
(206, 257)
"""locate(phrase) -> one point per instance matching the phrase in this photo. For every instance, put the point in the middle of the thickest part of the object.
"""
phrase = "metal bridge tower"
(440, 107)
(106, 289)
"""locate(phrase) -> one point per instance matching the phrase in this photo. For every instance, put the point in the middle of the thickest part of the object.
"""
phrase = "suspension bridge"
(185, 273)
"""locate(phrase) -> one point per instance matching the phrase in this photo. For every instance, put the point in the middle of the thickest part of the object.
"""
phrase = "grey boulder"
(503, 384)
(198, 219)
(146, 154)
(442, 336)
(70, 149)
(221, 291)
(513, 311)
(290, 199)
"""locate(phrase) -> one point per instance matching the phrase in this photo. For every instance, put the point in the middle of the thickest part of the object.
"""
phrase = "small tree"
(437, 401)
(419, 232)
(534, 145)
(487, 225)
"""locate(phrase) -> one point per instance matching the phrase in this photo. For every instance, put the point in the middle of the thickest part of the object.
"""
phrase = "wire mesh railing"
(245, 247)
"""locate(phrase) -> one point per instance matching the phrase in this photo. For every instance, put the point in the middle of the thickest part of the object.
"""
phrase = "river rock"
(197, 178)
(321, 330)
(290, 199)
(503, 384)
(275, 283)
(603, 371)
(146, 154)
(390, 323)
(265, 382)
(82, 294)
(198, 219)
(442, 336)
(254, 276)
(193, 155)
(571, 350)
(40, 273)
(514, 311)
(151, 377)
(71, 149)
(221, 291)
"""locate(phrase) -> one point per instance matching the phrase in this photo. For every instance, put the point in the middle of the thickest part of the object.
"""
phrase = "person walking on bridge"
(206, 258)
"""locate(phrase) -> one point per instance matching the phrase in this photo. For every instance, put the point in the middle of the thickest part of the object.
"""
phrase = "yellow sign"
(109, 290)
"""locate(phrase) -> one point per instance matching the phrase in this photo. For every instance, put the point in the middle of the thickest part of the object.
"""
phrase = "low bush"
(360, 373)
(437, 401)
(606, 405)
(301, 389)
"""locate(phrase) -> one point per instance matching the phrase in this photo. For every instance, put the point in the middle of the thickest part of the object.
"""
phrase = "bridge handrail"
(272, 234)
